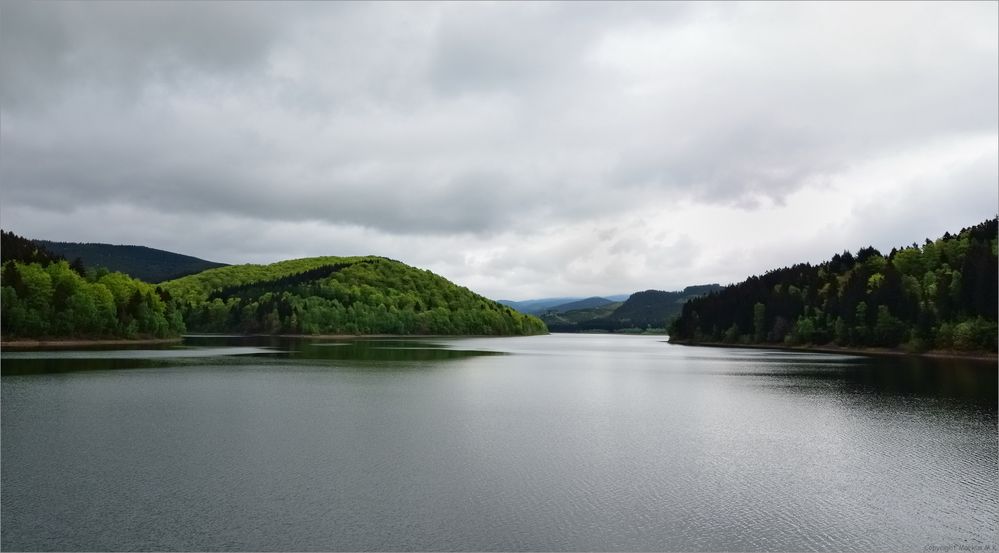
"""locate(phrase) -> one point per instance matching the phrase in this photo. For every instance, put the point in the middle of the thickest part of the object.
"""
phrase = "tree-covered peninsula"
(938, 295)
(339, 295)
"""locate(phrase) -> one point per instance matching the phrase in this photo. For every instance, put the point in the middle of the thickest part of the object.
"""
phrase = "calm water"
(563, 442)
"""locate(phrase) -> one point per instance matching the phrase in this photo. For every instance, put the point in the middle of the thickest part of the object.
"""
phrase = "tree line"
(43, 295)
(938, 295)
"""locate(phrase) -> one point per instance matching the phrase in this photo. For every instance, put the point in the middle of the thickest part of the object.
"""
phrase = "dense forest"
(42, 295)
(146, 264)
(339, 295)
(642, 311)
(938, 295)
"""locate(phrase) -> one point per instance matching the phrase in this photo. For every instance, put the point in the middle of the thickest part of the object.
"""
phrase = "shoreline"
(56, 343)
(380, 336)
(78, 342)
(873, 352)
(59, 343)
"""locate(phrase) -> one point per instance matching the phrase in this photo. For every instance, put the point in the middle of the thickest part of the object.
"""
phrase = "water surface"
(562, 442)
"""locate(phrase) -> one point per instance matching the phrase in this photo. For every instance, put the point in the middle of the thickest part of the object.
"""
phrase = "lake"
(560, 442)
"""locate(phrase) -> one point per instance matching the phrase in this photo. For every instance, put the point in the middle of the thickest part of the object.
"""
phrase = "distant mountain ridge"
(588, 303)
(657, 307)
(540, 305)
(535, 306)
(141, 262)
(565, 321)
(642, 310)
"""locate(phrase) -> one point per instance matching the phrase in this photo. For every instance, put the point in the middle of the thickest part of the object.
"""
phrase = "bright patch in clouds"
(521, 150)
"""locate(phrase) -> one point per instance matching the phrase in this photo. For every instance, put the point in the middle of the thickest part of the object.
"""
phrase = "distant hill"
(541, 305)
(533, 307)
(339, 295)
(565, 321)
(146, 264)
(648, 309)
(587, 303)
(20, 249)
(656, 308)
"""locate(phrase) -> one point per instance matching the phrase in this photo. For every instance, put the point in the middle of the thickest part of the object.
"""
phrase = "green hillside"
(197, 287)
(339, 295)
(938, 295)
(147, 264)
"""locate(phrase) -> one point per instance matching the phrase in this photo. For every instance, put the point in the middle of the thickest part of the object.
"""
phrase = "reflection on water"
(216, 350)
(383, 350)
(529, 443)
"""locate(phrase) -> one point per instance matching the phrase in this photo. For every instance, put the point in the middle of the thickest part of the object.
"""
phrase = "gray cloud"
(498, 137)
(52, 48)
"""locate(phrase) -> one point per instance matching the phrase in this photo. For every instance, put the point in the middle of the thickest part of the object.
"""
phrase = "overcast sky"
(519, 149)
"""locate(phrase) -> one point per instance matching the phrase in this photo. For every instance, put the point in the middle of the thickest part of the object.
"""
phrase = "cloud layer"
(518, 149)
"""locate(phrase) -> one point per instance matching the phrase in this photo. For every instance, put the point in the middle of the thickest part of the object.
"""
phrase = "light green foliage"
(909, 261)
(874, 282)
(37, 293)
(912, 288)
(875, 263)
(195, 288)
(975, 334)
(337, 295)
(55, 301)
(803, 331)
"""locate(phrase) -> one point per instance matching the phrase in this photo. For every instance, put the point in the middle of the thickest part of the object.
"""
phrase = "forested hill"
(940, 295)
(19, 248)
(656, 307)
(147, 264)
(339, 295)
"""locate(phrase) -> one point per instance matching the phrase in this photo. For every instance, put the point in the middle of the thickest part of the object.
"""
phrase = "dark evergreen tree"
(941, 294)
